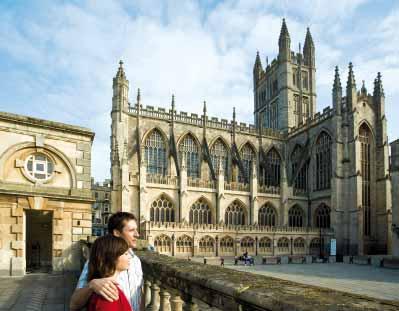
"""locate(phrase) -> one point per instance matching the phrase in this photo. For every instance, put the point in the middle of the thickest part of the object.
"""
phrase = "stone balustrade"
(236, 186)
(268, 189)
(245, 228)
(200, 183)
(161, 179)
(194, 119)
(176, 284)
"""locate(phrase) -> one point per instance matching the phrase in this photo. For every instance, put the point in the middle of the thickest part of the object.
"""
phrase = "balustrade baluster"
(147, 293)
(164, 297)
(154, 305)
(176, 303)
(190, 305)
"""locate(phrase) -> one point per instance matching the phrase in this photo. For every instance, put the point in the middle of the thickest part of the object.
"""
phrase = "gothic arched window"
(300, 183)
(271, 173)
(295, 217)
(206, 244)
(235, 214)
(323, 216)
(189, 148)
(314, 247)
(162, 210)
(283, 244)
(365, 161)
(299, 244)
(265, 245)
(247, 244)
(155, 153)
(323, 161)
(219, 156)
(184, 244)
(226, 244)
(247, 157)
(267, 215)
(200, 213)
(163, 244)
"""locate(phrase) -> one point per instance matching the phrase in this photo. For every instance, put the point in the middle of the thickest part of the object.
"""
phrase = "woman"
(109, 256)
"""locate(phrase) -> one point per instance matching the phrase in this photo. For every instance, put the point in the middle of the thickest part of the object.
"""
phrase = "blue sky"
(58, 58)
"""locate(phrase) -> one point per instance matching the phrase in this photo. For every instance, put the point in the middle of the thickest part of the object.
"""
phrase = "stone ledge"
(225, 289)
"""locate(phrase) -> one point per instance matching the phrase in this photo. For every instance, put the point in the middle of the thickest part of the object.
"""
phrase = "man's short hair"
(118, 220)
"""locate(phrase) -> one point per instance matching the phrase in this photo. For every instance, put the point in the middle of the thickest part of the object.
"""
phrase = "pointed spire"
(284, 31)
(337, 92)
(363, 90)
(378, 88)
(351, 78)
(121, 72)
(308, 41)
(337, 80)
(173, 102)
(138, 96)
(204, 109)
(234, 114)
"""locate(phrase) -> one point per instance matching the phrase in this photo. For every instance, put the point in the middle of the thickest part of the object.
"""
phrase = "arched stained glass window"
(155, 153)
(270, 175)
(162, 210)
(295, 217)
(300, 183)
(323, 161)
(365, 153)
(265, 245)
(189, 151)
(235, 214)
(247, 157)
(219, 156)
(267, 215)
(200, 213)
(323, 216)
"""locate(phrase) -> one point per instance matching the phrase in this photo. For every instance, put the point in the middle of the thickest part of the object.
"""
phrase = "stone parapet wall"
(226, 289)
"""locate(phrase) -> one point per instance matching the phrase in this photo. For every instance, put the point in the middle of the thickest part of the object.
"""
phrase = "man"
(124, 225)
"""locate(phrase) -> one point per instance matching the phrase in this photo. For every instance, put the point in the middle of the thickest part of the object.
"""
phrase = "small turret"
(120, 90)
(309, 49)
(351, 95)
(379, 96)
(284, 43)
(258, 70)
(378, 88)
(363, 90)
(337, 92)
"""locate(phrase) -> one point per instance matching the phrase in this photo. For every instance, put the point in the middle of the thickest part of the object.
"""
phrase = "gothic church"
(287, 185)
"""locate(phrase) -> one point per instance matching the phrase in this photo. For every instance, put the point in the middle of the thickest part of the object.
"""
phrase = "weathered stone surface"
(225, 288)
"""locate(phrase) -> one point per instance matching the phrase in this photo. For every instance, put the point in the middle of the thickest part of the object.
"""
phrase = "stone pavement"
(364, 280)
(33, 292)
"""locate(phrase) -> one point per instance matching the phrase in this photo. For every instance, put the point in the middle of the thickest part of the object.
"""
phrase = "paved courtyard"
(365, 280)
(44, 292)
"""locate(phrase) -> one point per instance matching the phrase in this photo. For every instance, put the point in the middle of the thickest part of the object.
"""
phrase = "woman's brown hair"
(104, 254)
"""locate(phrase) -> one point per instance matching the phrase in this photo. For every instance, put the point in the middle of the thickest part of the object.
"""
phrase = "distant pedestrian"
(222, 262)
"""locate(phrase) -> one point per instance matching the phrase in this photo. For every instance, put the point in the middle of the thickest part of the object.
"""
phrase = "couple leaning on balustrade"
(112, 278)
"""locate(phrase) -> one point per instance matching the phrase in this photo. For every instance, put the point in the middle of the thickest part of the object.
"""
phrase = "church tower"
(285, 91)
(119, 141)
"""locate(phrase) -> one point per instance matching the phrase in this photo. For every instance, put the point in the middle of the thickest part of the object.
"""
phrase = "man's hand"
(106, 287)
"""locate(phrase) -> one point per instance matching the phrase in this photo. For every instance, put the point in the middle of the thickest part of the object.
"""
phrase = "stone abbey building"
(286, 185)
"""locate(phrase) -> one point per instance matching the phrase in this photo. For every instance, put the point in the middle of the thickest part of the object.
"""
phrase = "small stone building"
(101, 210)
(45, 194)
